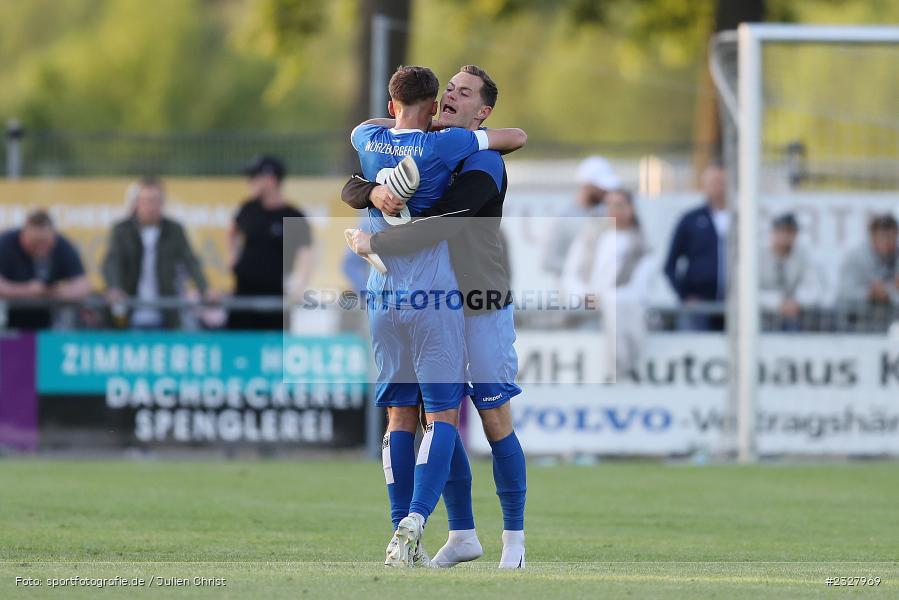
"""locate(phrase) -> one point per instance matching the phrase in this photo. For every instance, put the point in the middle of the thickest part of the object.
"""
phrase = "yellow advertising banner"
(84, 210)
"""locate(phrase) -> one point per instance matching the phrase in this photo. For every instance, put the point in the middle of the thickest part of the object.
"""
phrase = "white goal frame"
(748, 117)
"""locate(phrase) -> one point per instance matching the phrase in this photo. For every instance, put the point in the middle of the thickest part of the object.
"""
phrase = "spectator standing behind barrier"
(146, 254)
(612, 263)
(697, 257)
(596, 177)
(870, 274)
(265, 250)
(790, 282)
(37, 263)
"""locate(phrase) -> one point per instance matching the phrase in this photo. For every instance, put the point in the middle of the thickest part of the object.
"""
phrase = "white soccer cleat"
(373, 259)
(392, 546)
(461, 546)
(403, 182)
(513, 550)
(406, 544)
(420, 558)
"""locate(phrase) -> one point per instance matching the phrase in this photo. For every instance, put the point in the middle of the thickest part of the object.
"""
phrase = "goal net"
(810, 124)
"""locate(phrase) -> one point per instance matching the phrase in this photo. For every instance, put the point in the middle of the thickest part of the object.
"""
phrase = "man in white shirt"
(147, 255)
(596, 178)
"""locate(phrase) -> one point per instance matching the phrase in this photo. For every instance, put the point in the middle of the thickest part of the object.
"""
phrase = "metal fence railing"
(73, 153)
(97, 312)
(105, 154)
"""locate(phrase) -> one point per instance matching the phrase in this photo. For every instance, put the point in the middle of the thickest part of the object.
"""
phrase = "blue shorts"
(418, 351)
(492, 360)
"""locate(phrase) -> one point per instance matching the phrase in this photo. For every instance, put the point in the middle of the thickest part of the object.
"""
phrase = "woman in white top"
(609, 261)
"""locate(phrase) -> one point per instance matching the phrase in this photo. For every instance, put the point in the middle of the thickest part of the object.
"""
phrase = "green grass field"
(318, 529)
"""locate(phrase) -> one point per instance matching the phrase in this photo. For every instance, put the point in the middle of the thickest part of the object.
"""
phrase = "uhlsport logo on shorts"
(492, 398)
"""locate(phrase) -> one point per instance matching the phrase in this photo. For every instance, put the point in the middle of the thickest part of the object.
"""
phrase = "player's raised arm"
(506, 140)
(454, 144)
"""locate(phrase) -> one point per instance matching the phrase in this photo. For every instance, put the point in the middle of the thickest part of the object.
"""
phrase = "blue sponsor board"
(134, 388)
(84, 362)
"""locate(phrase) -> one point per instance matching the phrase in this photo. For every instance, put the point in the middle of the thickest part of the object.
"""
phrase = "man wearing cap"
(596, 177)
(264, 248)
(790, 282)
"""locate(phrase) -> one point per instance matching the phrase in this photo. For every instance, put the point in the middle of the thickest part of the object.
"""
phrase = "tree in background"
(578, 74)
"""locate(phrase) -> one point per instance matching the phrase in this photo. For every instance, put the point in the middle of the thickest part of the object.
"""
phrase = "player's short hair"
(489, 91)
(39, 218)
(411, 85)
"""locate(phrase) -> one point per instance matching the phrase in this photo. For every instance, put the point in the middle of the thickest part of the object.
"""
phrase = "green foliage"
(584, 85)
(171, 65)
(573, 72)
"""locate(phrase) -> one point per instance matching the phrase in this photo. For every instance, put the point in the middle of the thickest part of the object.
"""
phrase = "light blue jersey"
(437, 154)
(420, 350)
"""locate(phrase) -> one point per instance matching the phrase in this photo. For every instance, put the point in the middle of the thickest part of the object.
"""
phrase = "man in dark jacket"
(698, 257)
(146, 255)
(38, 263)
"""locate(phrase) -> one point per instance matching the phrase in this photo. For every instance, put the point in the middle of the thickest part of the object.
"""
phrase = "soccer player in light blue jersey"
(415, 308)
(468, 216)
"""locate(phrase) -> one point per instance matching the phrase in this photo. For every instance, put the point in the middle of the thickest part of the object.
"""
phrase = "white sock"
(462, 545)
(513, 550)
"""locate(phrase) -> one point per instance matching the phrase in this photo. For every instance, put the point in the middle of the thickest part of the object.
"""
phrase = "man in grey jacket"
(790, 282)
(870, 274)
(146, 256)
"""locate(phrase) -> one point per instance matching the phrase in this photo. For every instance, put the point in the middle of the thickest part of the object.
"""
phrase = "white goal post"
(744, 107)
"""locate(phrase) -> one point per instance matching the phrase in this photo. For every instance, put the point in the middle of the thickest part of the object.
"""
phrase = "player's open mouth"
(449, 109)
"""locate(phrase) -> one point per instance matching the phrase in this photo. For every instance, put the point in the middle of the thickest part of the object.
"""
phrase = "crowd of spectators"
(617, 270)
(149, 259)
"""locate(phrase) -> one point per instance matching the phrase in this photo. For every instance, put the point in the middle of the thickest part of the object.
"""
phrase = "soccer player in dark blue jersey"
(417, 333)
(474, 201)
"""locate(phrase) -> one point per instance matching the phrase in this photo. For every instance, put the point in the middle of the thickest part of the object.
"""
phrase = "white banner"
(818, 395)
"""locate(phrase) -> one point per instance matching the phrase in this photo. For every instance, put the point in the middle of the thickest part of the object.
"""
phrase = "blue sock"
(457, 491)
(511, 480)
(432, 467)
(398, 456)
